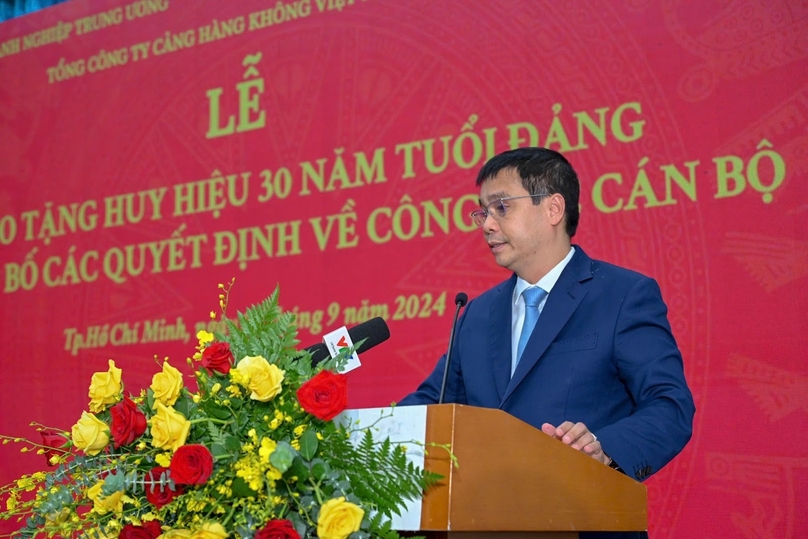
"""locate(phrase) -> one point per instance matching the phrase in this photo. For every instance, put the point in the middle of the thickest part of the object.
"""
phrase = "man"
(577, 347)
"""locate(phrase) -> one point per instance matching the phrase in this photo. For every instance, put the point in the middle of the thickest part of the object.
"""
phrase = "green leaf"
(382, 528)
(344, 486)
(308, 444)
(218, 450)
(213, 430)
(236, 403)
(232, 444)
(214, 410)
(297, 522)
(299, 470)
(319, 469)
(310, 502)
(283, 456)
(183, 406)
(113, 483)
(242, 489)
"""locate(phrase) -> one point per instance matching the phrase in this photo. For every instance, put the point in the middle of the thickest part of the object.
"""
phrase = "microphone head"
(374, 330)
(461, 299)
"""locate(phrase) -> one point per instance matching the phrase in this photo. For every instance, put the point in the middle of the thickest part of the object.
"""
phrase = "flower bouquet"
(253, 452)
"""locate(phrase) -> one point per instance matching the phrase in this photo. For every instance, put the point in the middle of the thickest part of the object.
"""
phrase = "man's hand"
(577, 436)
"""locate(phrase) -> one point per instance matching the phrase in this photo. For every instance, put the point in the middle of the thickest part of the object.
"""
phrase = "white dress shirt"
(546, 283)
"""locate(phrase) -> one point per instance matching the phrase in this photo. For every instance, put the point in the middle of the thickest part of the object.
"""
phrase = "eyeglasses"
(497, 209)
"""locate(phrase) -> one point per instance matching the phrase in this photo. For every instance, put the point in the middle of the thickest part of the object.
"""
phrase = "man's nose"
(490, 224)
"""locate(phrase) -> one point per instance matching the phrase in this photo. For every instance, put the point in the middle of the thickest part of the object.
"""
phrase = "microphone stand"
(460, 300)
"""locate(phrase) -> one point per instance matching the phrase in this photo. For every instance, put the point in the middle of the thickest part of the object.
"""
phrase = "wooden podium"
(515, 482)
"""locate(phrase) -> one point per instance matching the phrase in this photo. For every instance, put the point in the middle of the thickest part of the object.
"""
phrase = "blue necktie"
(533, 297)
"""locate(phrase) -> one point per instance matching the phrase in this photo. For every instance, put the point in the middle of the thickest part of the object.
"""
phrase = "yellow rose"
(104, 504)
(338, 519)
(210, 530)
(105, 388)
(90, 434)
(167, 385)
(263, 378)
(169, 428)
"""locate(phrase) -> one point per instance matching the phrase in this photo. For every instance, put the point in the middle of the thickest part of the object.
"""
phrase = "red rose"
(325, 395)
(217, 357)
(159, 495)
(54, 442)
(191, 464)
(277, 529)
(128, 422)
(149, 530)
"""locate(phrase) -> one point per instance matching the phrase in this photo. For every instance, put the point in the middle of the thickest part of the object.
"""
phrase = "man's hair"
(541, 171)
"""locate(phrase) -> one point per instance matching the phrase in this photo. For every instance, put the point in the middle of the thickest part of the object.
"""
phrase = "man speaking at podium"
(576, 347)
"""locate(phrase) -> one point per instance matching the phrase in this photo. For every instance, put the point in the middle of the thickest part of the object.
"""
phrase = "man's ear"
(555, 208)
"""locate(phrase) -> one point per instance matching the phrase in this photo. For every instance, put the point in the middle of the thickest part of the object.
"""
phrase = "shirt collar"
(547, 282)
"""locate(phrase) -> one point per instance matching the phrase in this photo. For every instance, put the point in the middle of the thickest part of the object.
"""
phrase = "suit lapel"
(500, 331)
(565, 297)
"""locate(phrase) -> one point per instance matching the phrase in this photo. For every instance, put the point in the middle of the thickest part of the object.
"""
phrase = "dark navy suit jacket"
(602, 353)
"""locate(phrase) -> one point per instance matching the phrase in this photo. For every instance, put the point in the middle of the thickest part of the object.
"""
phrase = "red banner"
(153, 149)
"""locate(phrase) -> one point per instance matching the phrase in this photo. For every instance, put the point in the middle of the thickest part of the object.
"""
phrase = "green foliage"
(381, 528)
(264, 330)
(380, 472)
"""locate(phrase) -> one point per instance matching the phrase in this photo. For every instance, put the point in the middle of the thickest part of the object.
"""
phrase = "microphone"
(460, 300)
(374, 330)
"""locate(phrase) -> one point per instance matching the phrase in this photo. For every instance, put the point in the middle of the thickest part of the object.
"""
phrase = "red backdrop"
(153, 149)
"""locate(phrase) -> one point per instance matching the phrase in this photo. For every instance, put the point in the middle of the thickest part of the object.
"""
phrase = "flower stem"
(211, 419)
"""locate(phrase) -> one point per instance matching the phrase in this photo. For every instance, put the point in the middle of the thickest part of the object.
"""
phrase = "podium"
(515, 482)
